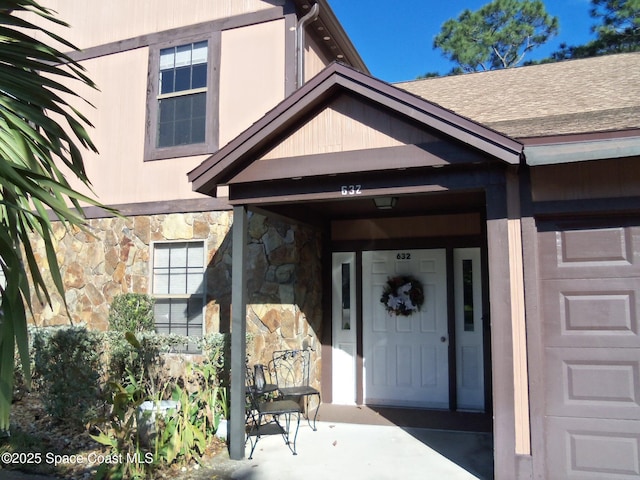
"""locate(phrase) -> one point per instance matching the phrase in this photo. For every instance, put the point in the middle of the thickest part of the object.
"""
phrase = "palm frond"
(39, 131)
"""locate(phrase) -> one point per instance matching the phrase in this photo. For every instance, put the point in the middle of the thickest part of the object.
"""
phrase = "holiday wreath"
(402, 295)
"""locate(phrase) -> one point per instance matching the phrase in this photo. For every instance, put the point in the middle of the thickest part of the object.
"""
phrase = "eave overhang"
(581, 148)
(330, 32)
(337, 79)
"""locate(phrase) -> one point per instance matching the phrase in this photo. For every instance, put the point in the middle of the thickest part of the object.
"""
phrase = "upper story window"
(183, 95)
(182, 98)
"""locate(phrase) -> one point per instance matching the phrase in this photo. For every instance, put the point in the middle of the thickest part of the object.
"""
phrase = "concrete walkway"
(353, 451)
(344, 450)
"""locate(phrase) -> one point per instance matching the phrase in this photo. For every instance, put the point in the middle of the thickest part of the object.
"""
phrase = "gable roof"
(334, 80)
(598, 94)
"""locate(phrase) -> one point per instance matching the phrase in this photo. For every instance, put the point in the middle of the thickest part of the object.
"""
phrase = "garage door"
(590, 289)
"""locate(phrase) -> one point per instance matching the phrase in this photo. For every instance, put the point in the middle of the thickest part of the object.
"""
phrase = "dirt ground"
(67, 453)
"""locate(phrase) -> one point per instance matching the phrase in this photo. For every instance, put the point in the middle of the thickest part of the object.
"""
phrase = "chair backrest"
(250, 389)
(291, 367)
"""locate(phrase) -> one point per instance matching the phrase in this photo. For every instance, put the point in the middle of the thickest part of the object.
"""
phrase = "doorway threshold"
(405, 417)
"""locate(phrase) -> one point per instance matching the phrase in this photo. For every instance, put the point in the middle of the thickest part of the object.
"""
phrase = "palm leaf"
(39, 130)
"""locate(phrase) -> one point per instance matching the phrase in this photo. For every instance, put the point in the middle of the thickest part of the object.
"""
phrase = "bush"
(142, 361)
(67, 370)
(131, 312)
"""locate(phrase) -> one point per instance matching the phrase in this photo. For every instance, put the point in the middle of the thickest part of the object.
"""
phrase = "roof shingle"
(576, 96)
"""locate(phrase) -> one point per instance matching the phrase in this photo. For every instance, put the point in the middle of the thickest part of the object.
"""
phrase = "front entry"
(410, 360)
(405, 357)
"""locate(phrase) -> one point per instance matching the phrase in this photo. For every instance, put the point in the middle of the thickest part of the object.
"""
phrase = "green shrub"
(67, 372)
(131, 312)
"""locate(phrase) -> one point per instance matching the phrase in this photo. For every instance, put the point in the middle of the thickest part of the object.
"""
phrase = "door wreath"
(402, 295)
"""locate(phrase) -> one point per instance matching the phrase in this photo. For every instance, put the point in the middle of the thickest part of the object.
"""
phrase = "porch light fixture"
(385, 203)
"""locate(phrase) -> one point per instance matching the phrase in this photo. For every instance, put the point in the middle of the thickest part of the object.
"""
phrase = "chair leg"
(286, 435)
(252, 442)
(295, 435)
(306, 412)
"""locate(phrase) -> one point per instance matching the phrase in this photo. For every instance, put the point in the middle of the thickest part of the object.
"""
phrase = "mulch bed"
(34, 431)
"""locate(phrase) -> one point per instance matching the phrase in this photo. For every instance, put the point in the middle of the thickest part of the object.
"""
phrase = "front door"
(405, 356)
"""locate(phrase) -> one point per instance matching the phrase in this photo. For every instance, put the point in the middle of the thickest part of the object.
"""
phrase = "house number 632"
(351, 189)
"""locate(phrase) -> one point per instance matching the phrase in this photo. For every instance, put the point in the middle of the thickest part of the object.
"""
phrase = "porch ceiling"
(320, 212)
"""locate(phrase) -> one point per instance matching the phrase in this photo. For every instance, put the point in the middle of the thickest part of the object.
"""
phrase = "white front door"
(405, 357)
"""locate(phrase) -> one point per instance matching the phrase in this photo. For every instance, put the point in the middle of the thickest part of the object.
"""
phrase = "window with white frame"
(178, 287)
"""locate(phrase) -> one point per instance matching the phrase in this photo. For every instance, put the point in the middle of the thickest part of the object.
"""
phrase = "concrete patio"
(368, 446)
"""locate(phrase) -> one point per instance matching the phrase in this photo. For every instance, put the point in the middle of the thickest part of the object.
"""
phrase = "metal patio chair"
(291, 370)
(264, 414)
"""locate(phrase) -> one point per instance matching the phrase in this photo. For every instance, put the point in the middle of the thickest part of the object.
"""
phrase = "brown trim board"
(200, 29)
(161, 208)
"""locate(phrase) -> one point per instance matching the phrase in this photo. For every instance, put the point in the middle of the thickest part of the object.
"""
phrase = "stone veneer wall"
(284, 275)
(285, 284)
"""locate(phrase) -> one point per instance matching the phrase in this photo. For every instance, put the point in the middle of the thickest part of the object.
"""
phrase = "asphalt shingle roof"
(576, 96)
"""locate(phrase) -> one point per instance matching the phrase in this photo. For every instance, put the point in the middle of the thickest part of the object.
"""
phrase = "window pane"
(199, 76)
(161, 256)
(179, 254)
(183, 79)
(199, 54)
(195, 255)
(467, 294)
(167, 58)
(178, 310)
(165, 135)
(178, 283)
(167, 82)
(182, 132)
(161, 312)
(198, 130)
(167, 110)
(194, 282)
(183, 108)
(161, 283)
(183, 55)
(195, 312)
(199, 105)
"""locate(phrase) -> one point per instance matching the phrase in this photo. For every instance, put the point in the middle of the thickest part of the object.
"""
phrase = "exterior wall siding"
(115, 259)
(347, 125)
(284, 307)
(100, 23)
(252, 75)
(284, 272)
(248, 48)
(314, 58)
(619, 178)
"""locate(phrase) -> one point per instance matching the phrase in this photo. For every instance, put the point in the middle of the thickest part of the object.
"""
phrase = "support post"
(238, 333)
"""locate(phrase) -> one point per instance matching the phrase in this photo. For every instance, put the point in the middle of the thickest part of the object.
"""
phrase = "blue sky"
(395, 39)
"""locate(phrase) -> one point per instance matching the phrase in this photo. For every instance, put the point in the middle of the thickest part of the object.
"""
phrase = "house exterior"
(294, 190)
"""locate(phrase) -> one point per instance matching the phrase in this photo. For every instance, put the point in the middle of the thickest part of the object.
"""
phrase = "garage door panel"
(591, 313)
(583, 253)
(599, 382)
(592, 449)
(589, 297)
